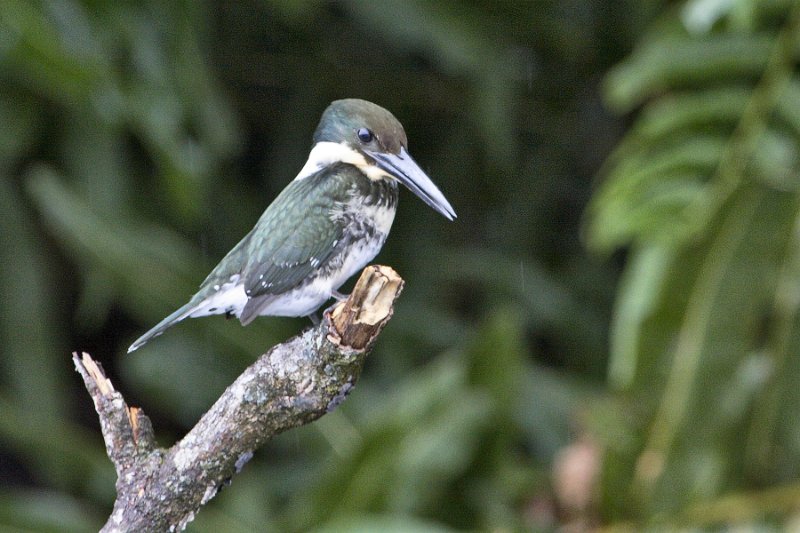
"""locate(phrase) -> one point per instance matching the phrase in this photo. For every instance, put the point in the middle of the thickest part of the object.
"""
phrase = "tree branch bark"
(292, 384)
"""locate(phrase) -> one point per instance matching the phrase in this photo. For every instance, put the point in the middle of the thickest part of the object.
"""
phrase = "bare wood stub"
(359, 319)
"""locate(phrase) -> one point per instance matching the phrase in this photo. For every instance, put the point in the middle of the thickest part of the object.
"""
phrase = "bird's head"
(366, 135)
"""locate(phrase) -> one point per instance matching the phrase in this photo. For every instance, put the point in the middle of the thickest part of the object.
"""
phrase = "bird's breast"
(361, 241)
(366, 223)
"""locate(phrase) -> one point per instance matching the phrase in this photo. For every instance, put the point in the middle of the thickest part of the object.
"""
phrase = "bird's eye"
(365, 135)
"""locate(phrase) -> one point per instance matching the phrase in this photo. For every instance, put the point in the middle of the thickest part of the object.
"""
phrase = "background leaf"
(703, 191)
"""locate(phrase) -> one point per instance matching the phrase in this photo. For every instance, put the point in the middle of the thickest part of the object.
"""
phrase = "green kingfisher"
(325, 226)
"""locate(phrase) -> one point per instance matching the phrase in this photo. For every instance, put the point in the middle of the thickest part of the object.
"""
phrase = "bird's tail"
(159, 328)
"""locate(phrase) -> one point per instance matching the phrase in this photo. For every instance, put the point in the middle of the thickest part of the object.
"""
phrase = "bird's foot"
(336, 295)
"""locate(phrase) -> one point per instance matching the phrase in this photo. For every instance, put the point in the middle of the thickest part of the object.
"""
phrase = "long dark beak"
(407, 172)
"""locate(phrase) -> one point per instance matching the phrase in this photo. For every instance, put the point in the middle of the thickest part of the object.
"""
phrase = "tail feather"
(159, 328)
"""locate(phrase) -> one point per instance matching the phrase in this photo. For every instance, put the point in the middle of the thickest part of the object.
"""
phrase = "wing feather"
(296, 234)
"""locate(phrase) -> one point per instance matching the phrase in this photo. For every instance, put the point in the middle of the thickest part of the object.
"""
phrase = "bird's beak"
(407, 172)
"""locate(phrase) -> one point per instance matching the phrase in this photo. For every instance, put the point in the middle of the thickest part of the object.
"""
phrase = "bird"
(327, 224)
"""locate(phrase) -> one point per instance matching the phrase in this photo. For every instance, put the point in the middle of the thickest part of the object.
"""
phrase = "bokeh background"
(607, 336)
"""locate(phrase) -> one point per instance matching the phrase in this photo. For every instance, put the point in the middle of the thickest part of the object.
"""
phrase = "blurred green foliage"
(141, 140)
(704, 191)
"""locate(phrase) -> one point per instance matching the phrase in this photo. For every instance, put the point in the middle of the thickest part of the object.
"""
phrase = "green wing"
(296, 234)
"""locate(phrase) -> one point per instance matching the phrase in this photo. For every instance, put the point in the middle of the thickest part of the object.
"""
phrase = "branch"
(292, 384)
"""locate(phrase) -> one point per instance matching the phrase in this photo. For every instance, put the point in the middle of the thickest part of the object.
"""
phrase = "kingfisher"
(325, 226)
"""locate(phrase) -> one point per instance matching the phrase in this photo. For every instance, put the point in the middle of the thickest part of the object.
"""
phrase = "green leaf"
(706, 317)
(672, 63)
